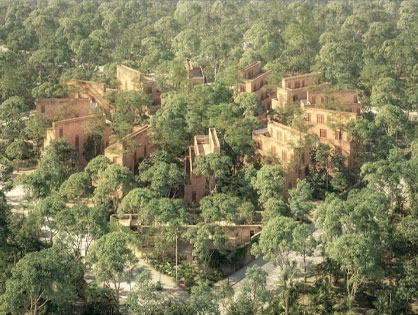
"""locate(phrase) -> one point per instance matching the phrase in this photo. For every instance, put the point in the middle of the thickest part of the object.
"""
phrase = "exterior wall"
(131, 80)
(236, 235)
(53, 107)
(347, 100)
(95, 91)
(195, 186)
(194, 74)
(301, 81)
(279, 141)
(332, 122)
(137, 147)
(254, 79)
(71, 130)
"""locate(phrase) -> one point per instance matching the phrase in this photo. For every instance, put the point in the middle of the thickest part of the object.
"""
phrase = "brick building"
(253, 79)
(74, 131)
(196, 186)
(194, 73)
(134, 80)
(95, 91)
(131, 149)
(325, 114)
(64, 108)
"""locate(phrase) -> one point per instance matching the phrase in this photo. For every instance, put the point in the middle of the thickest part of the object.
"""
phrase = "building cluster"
(320, 115)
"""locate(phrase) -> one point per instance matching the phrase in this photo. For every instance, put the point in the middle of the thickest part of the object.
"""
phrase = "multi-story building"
(75, 132)
(194, 73)
(63, 108)
(294, 89)
(325, 115)
(285, 144)
(197, 186)
(254, 77)
(134, 80)
(131, 149)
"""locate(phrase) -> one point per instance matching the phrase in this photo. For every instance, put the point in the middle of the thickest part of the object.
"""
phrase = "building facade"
(254, 78)
(134, 80)
(133, 148)
(64, 108)
(195, 74)
(196, 186)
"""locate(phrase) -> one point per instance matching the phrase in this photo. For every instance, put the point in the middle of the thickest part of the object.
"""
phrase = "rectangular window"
(297, 85)
(43, 109)
(338, 135)
(323, 133)
(279, 135)
(355, 99)
(193, 196)
(308, 117)
(77, 142)
(303, 83)
(313, 100)
(289, 85)
(322, 100)
(320, 119)
(295, 98)
(61, 133)
(284, 156)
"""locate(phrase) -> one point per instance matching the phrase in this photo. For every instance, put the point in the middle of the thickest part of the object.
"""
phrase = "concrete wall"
(95, 91)
(53, 108)
(251, 70)
(347, 100)
(301, 81)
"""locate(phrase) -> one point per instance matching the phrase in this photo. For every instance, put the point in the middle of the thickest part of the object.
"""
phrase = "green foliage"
(300, 199)
(136, 200)
(269, 182)
(96, 166)
(76, 186)
(204, 300)
(219, 207)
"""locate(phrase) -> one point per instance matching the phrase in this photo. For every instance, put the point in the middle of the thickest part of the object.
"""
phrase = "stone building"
(62, 108)
(253, 79)
(75, 132)
(196, 186)
(131, 149)
(194, 73)
(134, 80)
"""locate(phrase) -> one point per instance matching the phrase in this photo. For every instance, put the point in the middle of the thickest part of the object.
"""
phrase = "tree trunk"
(176, 258)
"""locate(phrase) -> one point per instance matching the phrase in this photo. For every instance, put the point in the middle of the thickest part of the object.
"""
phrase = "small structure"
(74, 131)
(196, 185)
(194, 73)
(95, 91)
(134, 80)
(61, 108)
(254, 78)
(131, 149)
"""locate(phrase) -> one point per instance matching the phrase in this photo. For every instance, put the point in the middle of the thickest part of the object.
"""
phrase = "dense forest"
(367, 216)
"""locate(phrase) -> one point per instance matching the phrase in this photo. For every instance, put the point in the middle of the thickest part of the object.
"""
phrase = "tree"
(163, 178)
(96, 166)
(218, 207)
(214, 167)
(248, 104)
(38, 279)
(114, 183)
(111, 258)
(205, 239)
(393, 120)
(80, 225)
(276, 241)
(143, 298)
(18, 151)
(274, 207)
(49, 208)
(136, 200)
(35, 130)
(203, 300)
(359, 258)
(304, 242)
(269, 182)
(300, 199)
(76, 186)
(254, 287)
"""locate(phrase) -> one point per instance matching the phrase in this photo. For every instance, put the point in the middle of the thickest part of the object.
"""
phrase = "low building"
(73, 130)
(194, 73)
(134, 80)
(254, 78)
(196, 186)
(64, 108)
(131, 149)
(95, 91)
